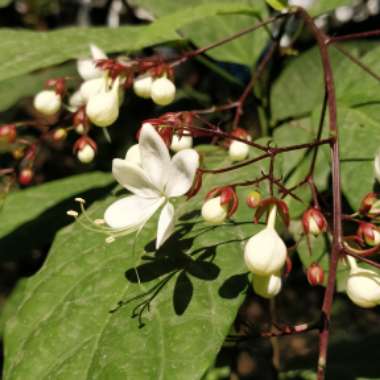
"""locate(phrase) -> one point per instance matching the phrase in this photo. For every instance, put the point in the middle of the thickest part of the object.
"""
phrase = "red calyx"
(368, 233)
(82, 142)
(315, 274)
(59, 85)
(314, 222)
(228, 197)
(264, 206)
(197, 184)
(8, 133)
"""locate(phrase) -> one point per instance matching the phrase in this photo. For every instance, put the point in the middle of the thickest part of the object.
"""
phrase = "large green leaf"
(4, 3)
(63, 327)
(25, 51)
(244, 50)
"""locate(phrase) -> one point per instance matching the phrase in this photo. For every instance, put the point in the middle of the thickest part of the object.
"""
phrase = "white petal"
(133, 178)
(97, 53)
(166, 224)
(182, 172)
(131, 212)
(154, 155)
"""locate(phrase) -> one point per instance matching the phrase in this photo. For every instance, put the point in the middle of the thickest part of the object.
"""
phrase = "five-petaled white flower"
(158, 179)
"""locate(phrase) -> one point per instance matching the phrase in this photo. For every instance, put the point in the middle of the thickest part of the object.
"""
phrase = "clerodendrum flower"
(152, 183)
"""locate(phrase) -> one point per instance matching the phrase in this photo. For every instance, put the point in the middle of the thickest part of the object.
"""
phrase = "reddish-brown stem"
(263, 64)
(362, 258)
(347, 37)
(322, 42)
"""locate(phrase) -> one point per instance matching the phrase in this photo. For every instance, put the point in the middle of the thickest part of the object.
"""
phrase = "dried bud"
(265, 253)
(8, 133)
(253, 199)
(369, 233)
(163, 91)
(181, 142)
(133, 154)
(25, 177)
(213, 211)
(142, 86)
(103, 109)
(363, 285)
(59, 134)
(47, 102)
(314, 222)
(267, 286)
(315, 274)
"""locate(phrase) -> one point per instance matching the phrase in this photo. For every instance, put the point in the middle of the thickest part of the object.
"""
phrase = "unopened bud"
(253, 199)
(47, 102)
(59, 134)
(314, 222)
(142, 86)
(181, 142)
(86, 154)
(103, 109)
(238, 151)
(373, 7)
(315, 274)
(267, 286)
(213, 211)
(8, 133)
(163, 91)
(344, 13)
(25, 177)
(368, 202)
(369, 233)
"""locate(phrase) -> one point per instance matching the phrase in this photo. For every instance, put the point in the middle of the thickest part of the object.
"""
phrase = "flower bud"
(92, 88)
(133, 154)
(59, 134)
(76, 100)
(142, 86)
(47, 102)
(369, 233)
(25, 177)
(213, 211)
(344, 13)
(373, 7)
(163, 91)
(265, 252)
(314, 222)
(315, 274)
(8, 133)
(367, 203)
(238, 151)
(253, 199)
(85, 149)
(363, 285)
(267, 286)
(181, 142)
(87, 67)
(103, 109)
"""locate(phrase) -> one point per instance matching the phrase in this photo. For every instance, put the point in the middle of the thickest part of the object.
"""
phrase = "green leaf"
(26, 51)
(194, 285)
(323, 6)
(276, 4)
(26, 205)
(5, 3)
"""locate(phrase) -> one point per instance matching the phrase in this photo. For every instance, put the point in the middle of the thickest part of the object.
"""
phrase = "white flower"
(47, 102)
(181, 142)
(92, 87)
(133, 154)
(238, 151)
(213, 212)
(265, 252)
(142, 86)
(103, 109)
(162, 91)
(363, 285)
(267, 286)
(157, 180)
(87, 67)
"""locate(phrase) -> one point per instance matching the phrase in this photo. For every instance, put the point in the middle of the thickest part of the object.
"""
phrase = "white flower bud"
(162, 91)
(133, 154)
(103, 109)
(363, 286)
(47, 102)
(213, 212)
(344, 13)
(267, 286)
(142, 86)
(238, 151)
(265, 252)
(301, 3)
(86, 154)
(373, 7)
(87, 67)
(92, 88)
(76, 101)
(285, 41)
(179, 143)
